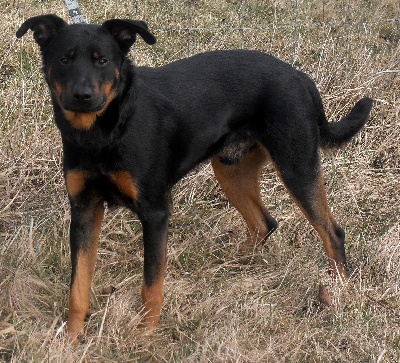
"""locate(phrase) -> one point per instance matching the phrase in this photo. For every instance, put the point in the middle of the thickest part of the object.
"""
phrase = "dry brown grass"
(216, 308)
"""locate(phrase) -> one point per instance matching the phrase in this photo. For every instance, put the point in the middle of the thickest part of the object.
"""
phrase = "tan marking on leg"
(80, 288)
(325, 224)
(152, 300)
(240, 182)
(125, 184)
(337, 267)
(76, 181)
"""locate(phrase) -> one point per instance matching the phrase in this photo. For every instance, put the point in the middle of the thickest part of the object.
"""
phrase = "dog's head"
(82, 62)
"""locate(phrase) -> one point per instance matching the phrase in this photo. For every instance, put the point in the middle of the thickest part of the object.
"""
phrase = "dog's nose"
(82, 94)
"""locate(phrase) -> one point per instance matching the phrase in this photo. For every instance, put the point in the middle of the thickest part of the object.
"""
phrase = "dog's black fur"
(130, 133)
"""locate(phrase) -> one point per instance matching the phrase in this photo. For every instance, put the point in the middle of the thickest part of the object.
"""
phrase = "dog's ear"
(124, 32)
(44, 28)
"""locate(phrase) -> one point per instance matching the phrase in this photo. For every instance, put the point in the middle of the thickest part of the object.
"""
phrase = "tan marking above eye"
(71, 53)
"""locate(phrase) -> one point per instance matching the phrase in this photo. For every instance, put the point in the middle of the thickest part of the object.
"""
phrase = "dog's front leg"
(155, 228)
(86, 216)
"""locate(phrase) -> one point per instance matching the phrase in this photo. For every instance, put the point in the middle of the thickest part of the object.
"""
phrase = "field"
(217, 308)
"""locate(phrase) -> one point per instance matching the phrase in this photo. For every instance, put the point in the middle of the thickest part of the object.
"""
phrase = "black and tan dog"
(130, 133)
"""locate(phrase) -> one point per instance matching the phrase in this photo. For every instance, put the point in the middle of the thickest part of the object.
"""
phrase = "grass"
(217, 308)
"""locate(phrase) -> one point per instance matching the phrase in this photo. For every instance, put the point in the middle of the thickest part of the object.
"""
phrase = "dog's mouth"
(82, 106)
(96, 105)
(81, 99)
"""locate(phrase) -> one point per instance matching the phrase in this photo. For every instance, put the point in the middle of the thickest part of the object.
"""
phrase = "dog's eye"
(64, 60)
(103, 61)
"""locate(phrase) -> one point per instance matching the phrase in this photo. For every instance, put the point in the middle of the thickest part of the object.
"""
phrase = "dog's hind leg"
(240, 183)
(298, 166)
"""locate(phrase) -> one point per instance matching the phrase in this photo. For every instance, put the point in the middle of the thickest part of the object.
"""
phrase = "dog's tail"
(335, 134)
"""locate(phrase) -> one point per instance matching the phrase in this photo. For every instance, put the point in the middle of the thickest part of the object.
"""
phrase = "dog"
(130, 133)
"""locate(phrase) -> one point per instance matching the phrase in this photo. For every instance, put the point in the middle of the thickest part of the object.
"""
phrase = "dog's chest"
(115, 187)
